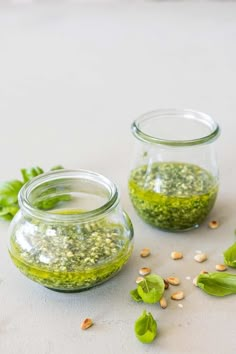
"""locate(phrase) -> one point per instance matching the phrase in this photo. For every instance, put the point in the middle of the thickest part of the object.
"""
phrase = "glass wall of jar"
(173, 182)
(71, 232)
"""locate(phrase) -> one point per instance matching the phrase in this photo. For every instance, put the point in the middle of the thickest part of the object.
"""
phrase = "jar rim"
(185, 113)
(26, 190)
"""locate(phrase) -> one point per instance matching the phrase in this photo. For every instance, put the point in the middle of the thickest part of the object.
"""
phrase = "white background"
(73, 76)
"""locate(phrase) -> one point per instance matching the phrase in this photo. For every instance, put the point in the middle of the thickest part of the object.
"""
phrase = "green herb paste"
(70, 257)
(172, 196)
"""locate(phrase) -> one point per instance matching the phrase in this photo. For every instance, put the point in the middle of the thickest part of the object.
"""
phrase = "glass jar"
(173, 183)
(71, 232)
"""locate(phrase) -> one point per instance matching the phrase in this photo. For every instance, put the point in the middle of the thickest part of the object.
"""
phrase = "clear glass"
(174, 180)
(71, 232)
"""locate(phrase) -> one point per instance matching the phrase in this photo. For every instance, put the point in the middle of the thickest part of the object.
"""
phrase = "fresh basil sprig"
(149, 290)
(29, 173)
(145, 328)
(230, 256)
(9, 198)
(217, 284)
(9, 192)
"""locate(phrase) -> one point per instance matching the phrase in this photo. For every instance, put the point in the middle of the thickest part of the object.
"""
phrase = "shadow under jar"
(70, 233)
(173, 183)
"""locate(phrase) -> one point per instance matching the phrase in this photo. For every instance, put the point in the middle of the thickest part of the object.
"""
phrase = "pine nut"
(163, 303)
(178, 295)
(166, 284)
(139, 279)
(145, 252)
(221, 267)
(202, 257)
(86, 323)
(173, 280)
(176, 255)
(195, 280)
(214, 224)
(144, 271)
(204, 272)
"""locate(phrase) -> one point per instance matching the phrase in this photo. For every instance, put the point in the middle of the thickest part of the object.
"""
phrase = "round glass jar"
(173, 182)
(71, 232)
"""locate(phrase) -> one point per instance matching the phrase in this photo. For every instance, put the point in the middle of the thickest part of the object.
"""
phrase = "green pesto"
(172, 196)
(70, 257)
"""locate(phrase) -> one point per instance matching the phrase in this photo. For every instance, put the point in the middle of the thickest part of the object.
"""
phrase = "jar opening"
(68, 195)
(175, 127)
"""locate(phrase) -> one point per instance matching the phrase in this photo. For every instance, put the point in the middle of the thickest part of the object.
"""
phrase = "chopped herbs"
(171, 195)
(70, 256)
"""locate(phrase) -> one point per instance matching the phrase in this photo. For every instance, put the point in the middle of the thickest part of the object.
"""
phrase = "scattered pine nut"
(86, 323)
(144, 271)
(204, 272)
(163, 303)
(145, 252)
(176, 255)
(195, 280)
(181, 305)
(214, 224)
(178, 295)
(166, 284)
(221, 267)
(173, 280)
(188, 278)
(139, 279)
(200, 257)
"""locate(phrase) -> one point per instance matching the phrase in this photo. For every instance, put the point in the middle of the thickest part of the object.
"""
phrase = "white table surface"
(73, 76)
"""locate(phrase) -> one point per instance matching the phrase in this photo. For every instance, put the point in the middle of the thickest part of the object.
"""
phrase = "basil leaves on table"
(230, 256)
(145, 328)
(149, 290)
(217, 284)
(9, 192)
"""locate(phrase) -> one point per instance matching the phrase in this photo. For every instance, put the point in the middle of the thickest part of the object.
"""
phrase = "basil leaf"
(7, 213)
(9, 192)
(230, 256)
(57, 167)
(145, 328)
(217, 284)
(151, 288)
(48, 202)
(135, 295)
(29, 173)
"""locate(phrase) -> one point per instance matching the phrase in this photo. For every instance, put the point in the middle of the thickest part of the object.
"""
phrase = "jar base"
(70, 291)
(177, 231)
(85, 288)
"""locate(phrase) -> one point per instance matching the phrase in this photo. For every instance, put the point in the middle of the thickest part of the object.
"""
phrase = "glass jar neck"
(175, 128)
(68, 196)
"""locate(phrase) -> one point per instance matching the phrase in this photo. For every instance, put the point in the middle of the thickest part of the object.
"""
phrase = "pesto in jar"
(172, 196)
(70, 257)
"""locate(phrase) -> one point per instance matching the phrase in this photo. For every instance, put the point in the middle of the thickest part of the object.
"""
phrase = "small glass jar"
(71, 232)
(173, 183)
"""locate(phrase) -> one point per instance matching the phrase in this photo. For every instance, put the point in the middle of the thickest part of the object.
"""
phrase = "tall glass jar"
(71, 232)
(173, 183)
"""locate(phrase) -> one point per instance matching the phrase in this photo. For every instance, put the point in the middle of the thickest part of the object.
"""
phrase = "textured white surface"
(72, 78)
